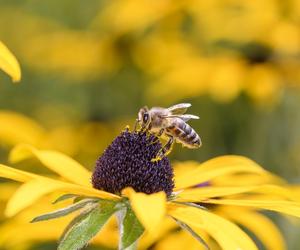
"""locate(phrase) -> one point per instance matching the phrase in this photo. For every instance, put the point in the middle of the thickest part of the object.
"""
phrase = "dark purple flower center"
(127, 163)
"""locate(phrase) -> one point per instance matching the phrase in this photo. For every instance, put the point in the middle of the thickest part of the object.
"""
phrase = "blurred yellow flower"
(9, 64)
(263, 84)
(84, 140)
(285, 38)
(17, 128)
(187, 49)
(133, 15)
(94, 55)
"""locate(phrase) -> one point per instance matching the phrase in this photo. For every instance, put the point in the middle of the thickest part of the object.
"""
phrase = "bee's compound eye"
(145, 117)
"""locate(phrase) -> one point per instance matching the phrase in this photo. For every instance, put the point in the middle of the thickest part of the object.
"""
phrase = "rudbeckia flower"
(143, 194)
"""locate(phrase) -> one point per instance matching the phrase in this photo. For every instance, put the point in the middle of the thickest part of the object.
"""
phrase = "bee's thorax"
(157, 119)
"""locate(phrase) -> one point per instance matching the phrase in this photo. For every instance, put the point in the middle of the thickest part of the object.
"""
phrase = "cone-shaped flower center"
(127, 163)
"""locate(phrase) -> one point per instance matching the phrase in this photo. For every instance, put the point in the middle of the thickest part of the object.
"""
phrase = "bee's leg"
(160, 132)
(143, 128)
(167, 148)
(146, 127)
(136, 124)
(158, 135)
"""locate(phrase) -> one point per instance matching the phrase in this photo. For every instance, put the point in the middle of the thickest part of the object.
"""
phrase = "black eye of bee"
(145, 117)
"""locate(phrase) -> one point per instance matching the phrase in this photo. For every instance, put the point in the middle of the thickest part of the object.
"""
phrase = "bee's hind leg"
(167, 148)
(158, 135)
(160, 132)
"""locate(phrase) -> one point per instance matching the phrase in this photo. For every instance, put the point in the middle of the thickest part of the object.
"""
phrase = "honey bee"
(171, 122)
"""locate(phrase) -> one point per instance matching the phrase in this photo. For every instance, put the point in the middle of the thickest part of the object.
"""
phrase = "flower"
(9, 64)
(127, 163)
(191, 206)
(176, 57)
(17, 128)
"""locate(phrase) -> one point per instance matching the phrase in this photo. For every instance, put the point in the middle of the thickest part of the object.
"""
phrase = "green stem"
(132, 247)
(120, 216)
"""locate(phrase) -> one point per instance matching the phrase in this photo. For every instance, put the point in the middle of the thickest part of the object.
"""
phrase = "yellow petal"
(281, 206)
(149, 209)
(9, 64)
(198, 194)
(16, 128)
(18, 235)
(178, 240)
(148, 239)
(296, 191)
(55, 161)
(247, 180)
(28, 193)
(181, 168)
(87, 191)
(216, 167)
(260, 225)
(15, 174)
(228, 235)
(35, 189)
(23, 176)
(6, 190)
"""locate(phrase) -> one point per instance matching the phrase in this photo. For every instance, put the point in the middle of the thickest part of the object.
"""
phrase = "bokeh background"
(88, 66)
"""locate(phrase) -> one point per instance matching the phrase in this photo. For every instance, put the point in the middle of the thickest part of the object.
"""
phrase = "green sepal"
(80, 198)
(130, 228)
(64, 197)
(64, 211)
(85, 226)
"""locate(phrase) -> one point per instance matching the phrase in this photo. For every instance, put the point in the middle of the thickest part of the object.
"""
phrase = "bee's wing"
(179, 108)
(185, 118)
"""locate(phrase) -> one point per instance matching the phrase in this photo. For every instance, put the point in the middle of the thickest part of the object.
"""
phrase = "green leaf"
(75, 220)
(64, 197)
(130, 228)
(64, 211)
(80, 198)
(193, 233)
(86, 226)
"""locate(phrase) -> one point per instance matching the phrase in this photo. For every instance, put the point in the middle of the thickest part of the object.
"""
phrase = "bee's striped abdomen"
(185, 134)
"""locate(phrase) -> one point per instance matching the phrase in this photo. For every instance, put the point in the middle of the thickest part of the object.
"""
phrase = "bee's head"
(144, 117)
